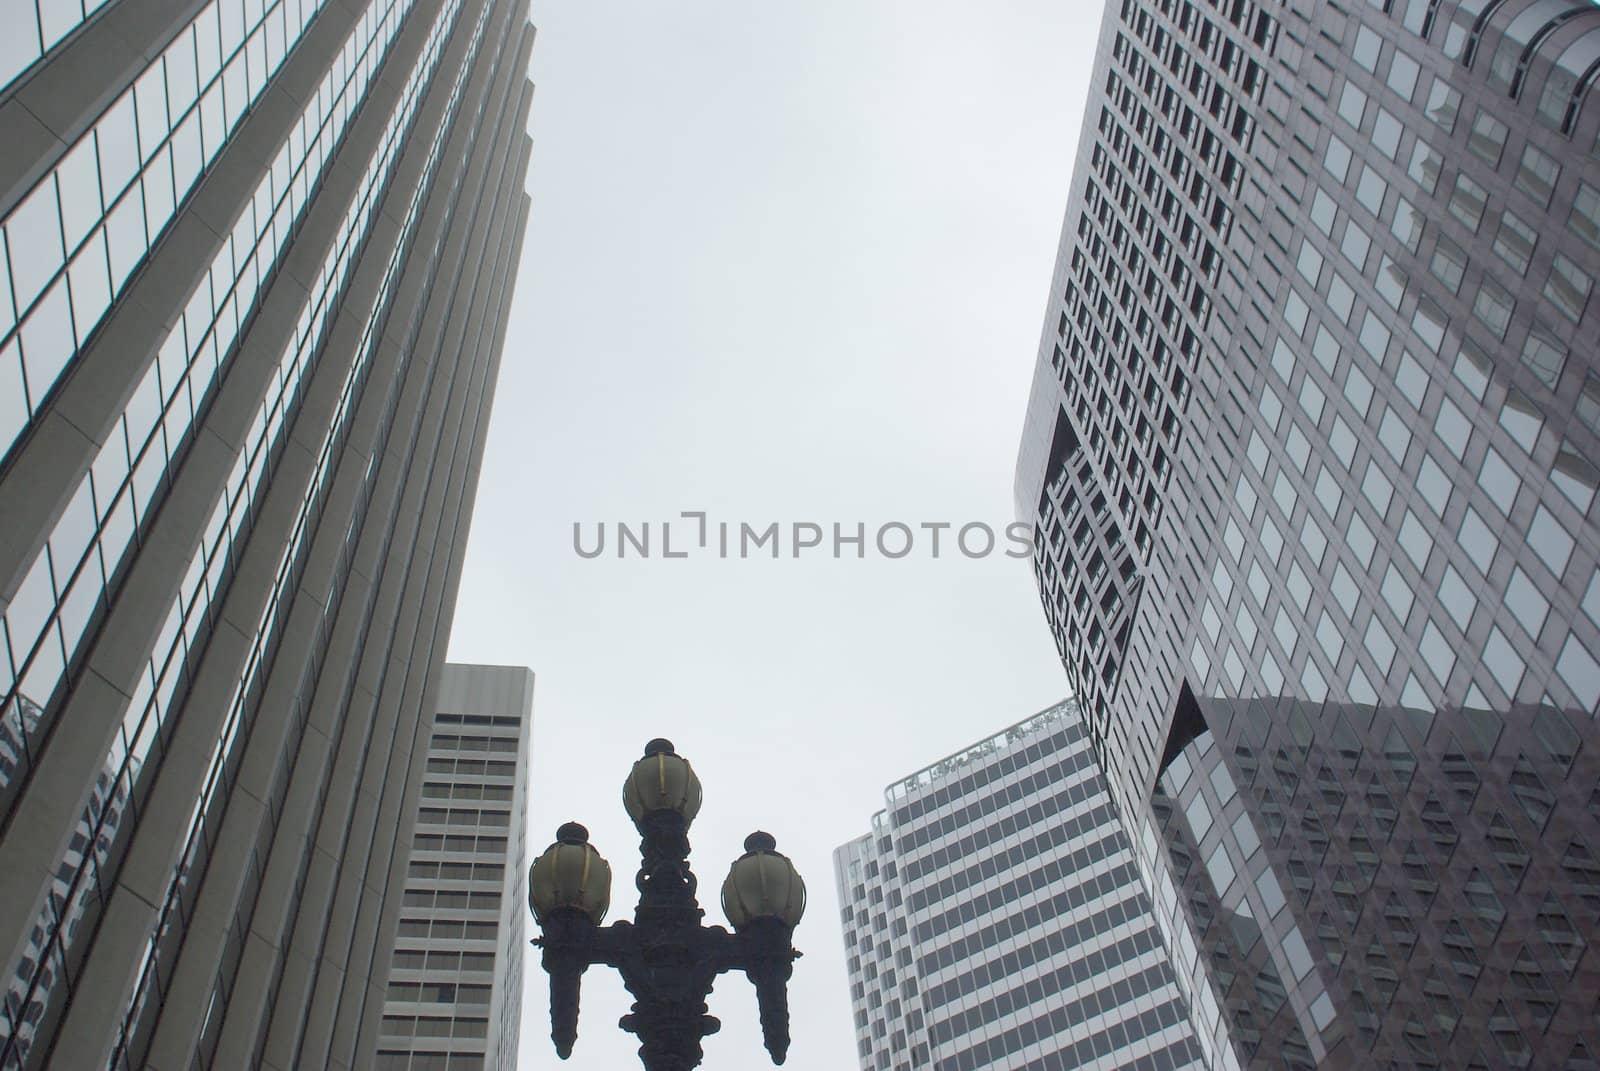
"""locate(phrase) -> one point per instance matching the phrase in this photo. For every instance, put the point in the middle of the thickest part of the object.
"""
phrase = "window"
(1407, 224)
(1585, 216)
(1503, 662)
(1444, 104)
(1449, 264)
(1376, 486)
(1403, 72)
(1352, 104)
(1468, 200)
(1457, 598)
(1379, 645)
(1337, 159)
(1355, 247)
(1453, 428)
(1493, 307)
(1434, 485)
(1545, 354)
(1309, 263)
(1526, 603)
(1478, 540)
(1537, 175)
(1323, 211)
(1370, 190)
(1360, 539)
(1568, 288)
(1386, 134)
(1367, 46)
(1550, 541)
(1488, 138)
(1514, 242)
(1415, 541)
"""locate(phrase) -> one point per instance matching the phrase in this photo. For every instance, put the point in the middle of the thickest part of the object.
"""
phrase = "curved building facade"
(1311, 454)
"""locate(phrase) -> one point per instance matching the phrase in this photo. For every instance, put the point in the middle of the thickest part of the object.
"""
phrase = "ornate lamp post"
(667, 959)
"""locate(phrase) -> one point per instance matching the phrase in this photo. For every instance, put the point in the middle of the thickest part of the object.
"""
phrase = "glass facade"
(1312, 454)
(76, 237)
(195, 604)
(993, 918)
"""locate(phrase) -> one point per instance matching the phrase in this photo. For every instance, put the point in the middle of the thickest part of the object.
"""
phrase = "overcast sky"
(786, 262)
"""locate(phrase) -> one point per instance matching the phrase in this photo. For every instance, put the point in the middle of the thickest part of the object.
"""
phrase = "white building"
(455, 982)
(994, 921)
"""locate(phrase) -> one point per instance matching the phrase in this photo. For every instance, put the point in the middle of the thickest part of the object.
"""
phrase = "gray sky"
(786, 262)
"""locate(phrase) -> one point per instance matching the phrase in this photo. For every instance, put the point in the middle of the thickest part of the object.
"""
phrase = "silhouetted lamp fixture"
(667, 959)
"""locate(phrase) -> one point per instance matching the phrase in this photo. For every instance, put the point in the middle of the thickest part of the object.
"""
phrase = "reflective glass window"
(1537, 175)
(1360, 539)
(1367, 46)
(1448, 264)
(1426, 166)
(1568, 287)
(1370, 190)
(1352, 104)
(1452, 428)
(1337, 159)
(1584, 219)
(1444, 104)
(1403, 72)
(1323, 211)
(1434, 485)
(1488, 138)
(1457, 598)
(1526, 603)
(1386, 130)
(1515, 241)
(1493, 307)
(1397, 593)
(1407, 224)
(1544, 353)
(1467, 201)
(1503, 661)
(1550, 541)
(1478, 540)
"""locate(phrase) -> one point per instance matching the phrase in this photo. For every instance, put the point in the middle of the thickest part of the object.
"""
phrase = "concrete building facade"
(256, 266)
(454, 1001)
(1312, 455)
(994, 920)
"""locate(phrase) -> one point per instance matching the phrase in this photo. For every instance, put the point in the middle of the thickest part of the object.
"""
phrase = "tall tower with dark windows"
(455, 978)
(254, 275)
(994, 920)
(1312, 453)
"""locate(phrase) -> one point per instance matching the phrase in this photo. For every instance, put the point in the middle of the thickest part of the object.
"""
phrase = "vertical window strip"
(118, 495)
(73, 243)
(191, 610)
(152, 981)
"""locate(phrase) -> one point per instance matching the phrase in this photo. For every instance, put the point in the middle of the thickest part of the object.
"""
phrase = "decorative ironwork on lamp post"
(667, 959)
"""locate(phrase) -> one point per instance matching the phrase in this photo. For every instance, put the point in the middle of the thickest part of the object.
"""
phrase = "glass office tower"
(1312, 454)
(255, 267)
(994, 920)
(454, 1000)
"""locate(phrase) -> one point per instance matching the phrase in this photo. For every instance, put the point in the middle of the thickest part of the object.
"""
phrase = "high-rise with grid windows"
(454, 1001)
(1312, 452)
(994, 921)
(254, 275)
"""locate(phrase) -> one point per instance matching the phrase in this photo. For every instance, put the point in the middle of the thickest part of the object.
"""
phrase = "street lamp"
(667, 959)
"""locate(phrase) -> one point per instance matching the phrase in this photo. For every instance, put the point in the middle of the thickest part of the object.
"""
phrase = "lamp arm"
(762, 950)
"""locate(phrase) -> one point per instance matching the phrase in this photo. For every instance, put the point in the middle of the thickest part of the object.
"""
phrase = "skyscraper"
(455, 980)
(1312, 454)
(994, 921)
(256, 266)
